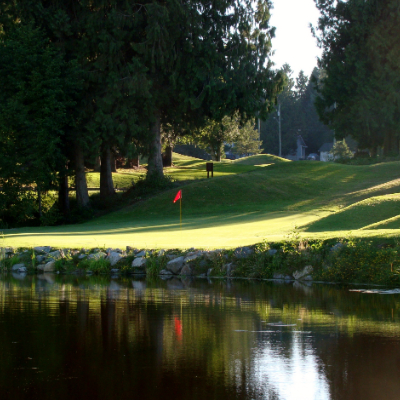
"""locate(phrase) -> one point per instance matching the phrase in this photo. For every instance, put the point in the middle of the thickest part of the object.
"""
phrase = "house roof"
(326, 147)
(300, 141)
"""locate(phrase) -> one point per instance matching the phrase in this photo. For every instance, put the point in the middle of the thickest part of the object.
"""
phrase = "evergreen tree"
(341, 150)
(247, 141)
(298, 117)
(37, 91)
(360, 89)
(204, 60)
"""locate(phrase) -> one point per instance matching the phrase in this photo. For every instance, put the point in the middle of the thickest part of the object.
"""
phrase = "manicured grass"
(241, 205)
(361, 215)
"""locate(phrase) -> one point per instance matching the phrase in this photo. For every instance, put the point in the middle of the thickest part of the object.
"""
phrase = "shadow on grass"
(372, 211)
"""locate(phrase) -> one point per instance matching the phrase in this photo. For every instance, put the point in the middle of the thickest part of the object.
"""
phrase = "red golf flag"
(178, 196)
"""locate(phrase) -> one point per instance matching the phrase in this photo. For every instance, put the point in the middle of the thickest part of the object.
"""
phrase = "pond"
(69, 337)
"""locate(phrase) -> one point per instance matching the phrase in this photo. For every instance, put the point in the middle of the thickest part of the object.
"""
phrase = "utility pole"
(280, 136)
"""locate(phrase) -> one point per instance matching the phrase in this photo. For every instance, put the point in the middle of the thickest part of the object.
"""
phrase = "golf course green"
(249, 200)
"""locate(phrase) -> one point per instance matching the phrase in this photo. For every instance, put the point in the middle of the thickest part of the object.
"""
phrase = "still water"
(65, 337)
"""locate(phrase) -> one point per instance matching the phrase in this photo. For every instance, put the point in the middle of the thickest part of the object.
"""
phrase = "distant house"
(325, 152)
(300, 153)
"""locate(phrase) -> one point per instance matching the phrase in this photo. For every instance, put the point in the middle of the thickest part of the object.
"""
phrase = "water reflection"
(103, 338)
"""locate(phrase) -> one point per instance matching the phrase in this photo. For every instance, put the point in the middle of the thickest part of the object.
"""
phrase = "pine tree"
(37, 90)
(204, 60)
(359, 92)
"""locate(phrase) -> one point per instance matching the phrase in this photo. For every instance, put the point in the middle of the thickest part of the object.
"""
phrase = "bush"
(340, 150)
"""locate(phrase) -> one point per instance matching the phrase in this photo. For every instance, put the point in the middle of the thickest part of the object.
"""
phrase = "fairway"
(247, 201)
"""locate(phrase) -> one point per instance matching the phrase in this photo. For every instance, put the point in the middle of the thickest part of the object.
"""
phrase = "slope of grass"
(364, 214)
(241, 205)
(260, 159)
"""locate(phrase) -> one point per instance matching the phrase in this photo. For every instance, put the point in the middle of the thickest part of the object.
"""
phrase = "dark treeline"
(82, 80)
(298, 117)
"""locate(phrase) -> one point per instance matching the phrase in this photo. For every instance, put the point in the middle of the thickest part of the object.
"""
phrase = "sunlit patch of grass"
(241, 206)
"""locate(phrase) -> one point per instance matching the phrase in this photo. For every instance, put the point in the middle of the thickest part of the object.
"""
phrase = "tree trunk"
(97, 164)
(218, 155)
(390, 144)
(106, 182)
(155, 165)
(82, 196)
(39, 193)
(167, 157)
(113, 162)
(63, 198)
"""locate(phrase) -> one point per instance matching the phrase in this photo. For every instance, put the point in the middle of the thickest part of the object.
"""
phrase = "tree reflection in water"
(100, 338)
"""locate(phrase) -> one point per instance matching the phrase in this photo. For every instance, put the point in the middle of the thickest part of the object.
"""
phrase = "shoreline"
(349, 261)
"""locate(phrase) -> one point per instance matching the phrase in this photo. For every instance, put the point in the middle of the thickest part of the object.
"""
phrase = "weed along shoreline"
(335, 261)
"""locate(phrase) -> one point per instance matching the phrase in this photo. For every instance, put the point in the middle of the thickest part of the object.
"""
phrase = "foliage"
(361, 261)
(247, 141)
(155, 263)
(17, 206)
(359, 88)
(38, 86)
(298, 116)
(340, 150)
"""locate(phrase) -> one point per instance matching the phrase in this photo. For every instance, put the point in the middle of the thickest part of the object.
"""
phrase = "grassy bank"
(247, 201)
(348, 261)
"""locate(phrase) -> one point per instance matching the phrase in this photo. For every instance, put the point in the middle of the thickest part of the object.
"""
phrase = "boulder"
(42, 249)
(97, 256)
(114, 257)
(186, 270)
(114, 270)
(9, 250)
(82, 256)
(299, 275)
(192, 257)
(172, 256)
(110, 250)
(278, 276)
(175, 265)
(16, 267)
(139, 262)
(56, 255)
(272, 252)
(209, 271)
(289, 278)
(243, 252)
(49, 267)
(212, 254)
(40, 258)
(22, 270)
(161, 253)
(40, 267)
(337, 247)
(140, 254)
